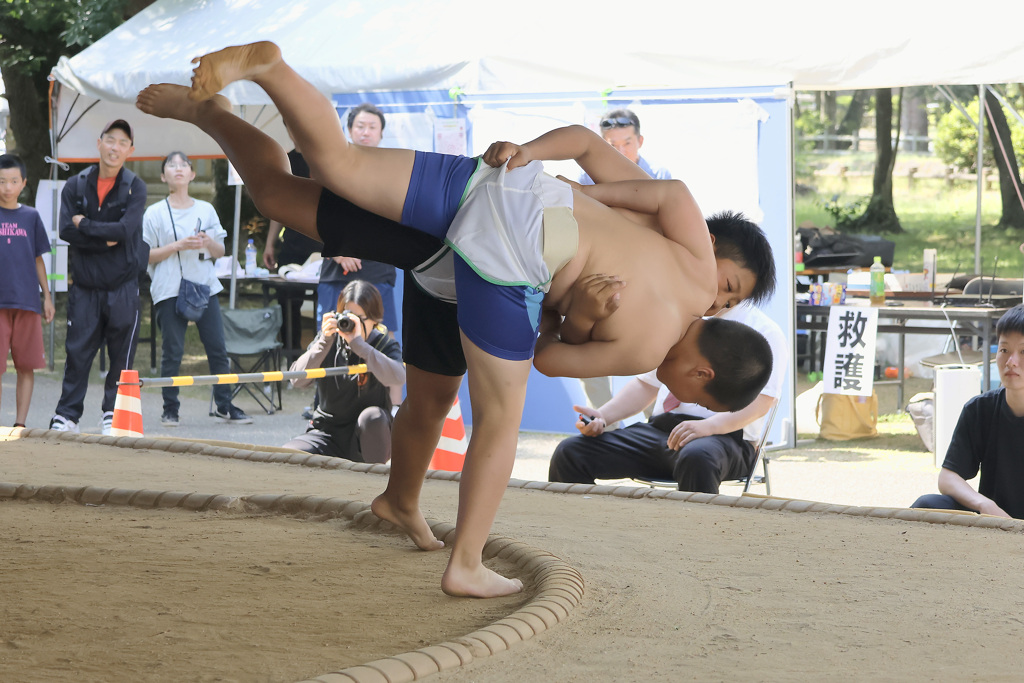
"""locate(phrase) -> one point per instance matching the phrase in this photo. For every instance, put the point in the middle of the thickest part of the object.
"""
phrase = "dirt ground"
(674, 590)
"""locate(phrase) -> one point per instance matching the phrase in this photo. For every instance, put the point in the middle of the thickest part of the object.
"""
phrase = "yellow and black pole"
(249, 377)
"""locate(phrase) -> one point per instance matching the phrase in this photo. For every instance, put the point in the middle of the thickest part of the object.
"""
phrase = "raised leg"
(414, 436)
(371, 177)
(259, 160)
(497, 390)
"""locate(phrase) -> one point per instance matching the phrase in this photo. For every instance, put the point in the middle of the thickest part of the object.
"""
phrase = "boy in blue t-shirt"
(23, 242)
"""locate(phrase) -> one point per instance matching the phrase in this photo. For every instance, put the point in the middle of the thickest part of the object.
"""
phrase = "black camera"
(345, 322)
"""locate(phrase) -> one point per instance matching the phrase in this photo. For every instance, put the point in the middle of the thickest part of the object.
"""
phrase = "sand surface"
(674, 590)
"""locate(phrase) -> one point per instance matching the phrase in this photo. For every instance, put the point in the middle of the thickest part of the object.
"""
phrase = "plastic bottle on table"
(877, 287)
(250, 259)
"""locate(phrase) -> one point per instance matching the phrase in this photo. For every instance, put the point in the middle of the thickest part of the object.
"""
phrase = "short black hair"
(740, 240)
(620, 118)
(369, 109)
(13, 161)
(176, 153)
(1011, 321)
(741, 358)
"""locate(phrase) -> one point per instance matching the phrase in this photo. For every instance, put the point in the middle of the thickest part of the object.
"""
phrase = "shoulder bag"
(193, 298)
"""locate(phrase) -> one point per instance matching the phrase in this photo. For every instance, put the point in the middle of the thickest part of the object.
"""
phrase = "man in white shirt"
(697, 448)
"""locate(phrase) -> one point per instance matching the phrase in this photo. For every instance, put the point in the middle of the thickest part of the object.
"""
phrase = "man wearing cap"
(620, 128)
(101, 219)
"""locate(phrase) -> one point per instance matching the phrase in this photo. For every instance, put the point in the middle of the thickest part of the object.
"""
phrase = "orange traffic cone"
(451, 449)
(128, 406)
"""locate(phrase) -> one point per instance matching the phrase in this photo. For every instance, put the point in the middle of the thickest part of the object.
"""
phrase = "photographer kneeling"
(353, 418)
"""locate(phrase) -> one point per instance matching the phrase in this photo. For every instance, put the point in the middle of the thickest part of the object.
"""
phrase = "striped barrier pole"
(249, 377)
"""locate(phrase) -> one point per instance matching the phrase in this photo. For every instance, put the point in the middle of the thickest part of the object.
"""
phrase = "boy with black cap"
(101, 219)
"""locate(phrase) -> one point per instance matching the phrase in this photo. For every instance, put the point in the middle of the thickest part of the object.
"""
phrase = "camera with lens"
(346, 323)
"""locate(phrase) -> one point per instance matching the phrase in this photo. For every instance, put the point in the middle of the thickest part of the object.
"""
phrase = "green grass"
(933, 214)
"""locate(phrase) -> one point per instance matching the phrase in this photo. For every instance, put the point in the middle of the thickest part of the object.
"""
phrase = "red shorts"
(22, 334)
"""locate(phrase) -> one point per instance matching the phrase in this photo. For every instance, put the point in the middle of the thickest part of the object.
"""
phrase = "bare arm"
(670, 201)
(270, 248)
(158, 254)
(594, 298)
(214, 247)
(555, 358)
(630, 400)
(48, 309)
(952, 484)
(722, 423)
(599, 159)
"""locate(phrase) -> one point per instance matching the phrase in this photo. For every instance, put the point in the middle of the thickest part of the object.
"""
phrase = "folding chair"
(980, 287)
(761, 457)
(251, 334)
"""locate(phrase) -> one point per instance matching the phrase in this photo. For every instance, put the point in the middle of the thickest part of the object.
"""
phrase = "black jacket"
(93, 264)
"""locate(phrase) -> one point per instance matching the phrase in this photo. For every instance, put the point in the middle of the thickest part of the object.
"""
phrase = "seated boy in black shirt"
(987, 438)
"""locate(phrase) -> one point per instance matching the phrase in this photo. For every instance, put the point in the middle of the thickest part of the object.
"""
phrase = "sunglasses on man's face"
(617, 122)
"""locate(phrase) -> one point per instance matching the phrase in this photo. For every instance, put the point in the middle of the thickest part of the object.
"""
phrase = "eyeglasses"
(617, 122)
(174, 166)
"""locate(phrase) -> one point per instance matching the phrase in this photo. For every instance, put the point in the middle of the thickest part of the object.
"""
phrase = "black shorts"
(348, 230)
(430, 328)
(430, 333)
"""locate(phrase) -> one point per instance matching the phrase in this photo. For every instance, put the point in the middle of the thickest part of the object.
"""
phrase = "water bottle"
(877, 287)
(250, 259)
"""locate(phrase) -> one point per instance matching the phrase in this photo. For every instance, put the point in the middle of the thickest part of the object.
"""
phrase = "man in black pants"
(101, 218)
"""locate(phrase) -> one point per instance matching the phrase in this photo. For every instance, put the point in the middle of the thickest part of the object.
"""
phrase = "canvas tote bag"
(842, 417)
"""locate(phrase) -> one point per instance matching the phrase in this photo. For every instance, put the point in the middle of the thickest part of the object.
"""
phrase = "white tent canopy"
(569, 54)
(532, 46)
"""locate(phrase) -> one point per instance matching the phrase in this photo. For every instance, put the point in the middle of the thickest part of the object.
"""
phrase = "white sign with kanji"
(850, 350)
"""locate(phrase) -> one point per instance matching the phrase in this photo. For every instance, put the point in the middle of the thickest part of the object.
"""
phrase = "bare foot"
(477, 582)
(240, 62)
(412, 523)
(170, 101)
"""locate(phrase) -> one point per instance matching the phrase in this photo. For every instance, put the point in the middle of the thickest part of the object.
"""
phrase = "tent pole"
(54, 217)
(234, 235)
(234, 246)
(981, 149)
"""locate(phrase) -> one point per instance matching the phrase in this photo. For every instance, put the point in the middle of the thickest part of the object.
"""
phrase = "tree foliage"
(956, 139)
(34, 34)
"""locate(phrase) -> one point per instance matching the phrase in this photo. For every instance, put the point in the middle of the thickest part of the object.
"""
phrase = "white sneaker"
(107, 422)
(59, 423)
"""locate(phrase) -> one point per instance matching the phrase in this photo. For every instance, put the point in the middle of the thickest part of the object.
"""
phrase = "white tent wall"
(397, 46)
(80, 118)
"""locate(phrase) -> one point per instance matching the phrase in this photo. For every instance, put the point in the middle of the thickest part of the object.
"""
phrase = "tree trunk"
(880, 214)
(828, 110)
(1009, 175)
(30, 130)
(915, 120)
(854, 116)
